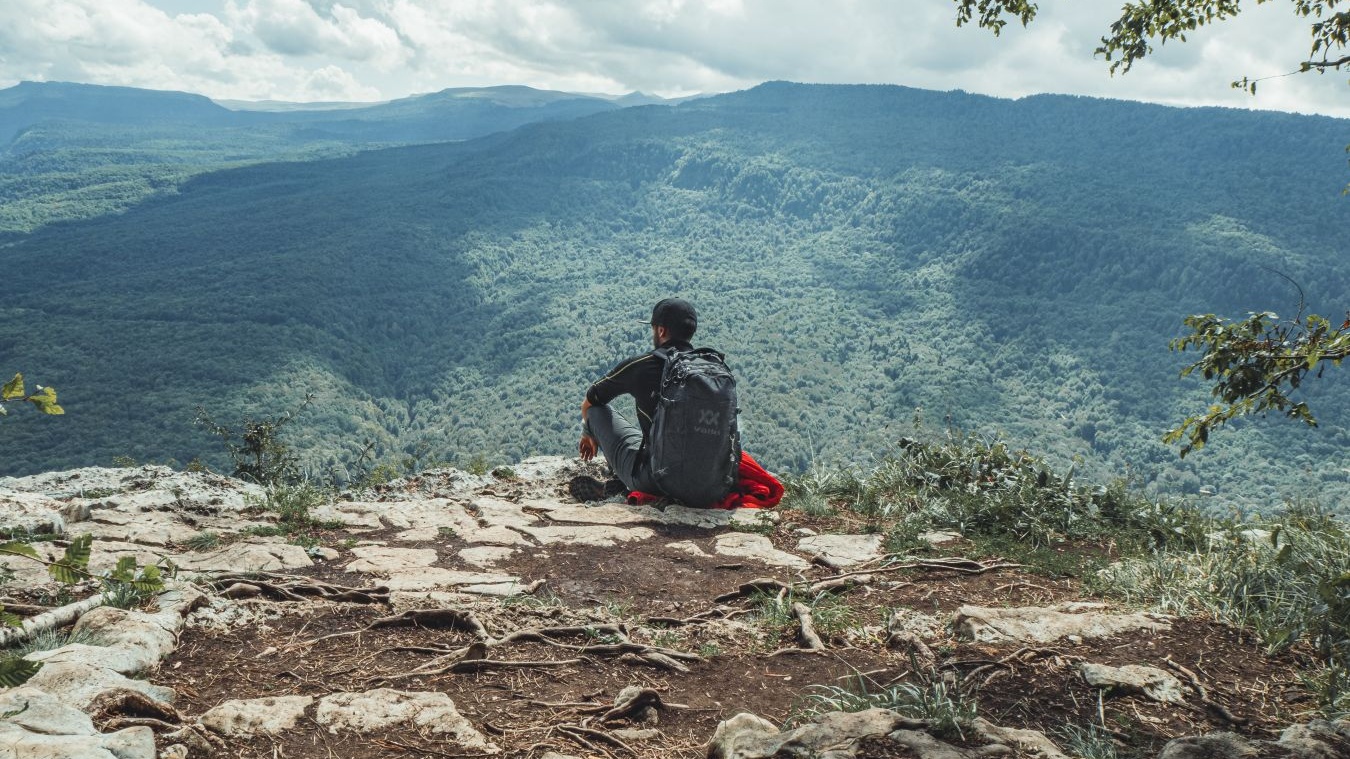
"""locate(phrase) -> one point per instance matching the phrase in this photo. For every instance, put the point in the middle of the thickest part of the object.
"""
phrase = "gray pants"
(620, 440)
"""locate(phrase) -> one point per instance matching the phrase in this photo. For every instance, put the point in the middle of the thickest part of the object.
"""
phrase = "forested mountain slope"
(859, 251)
(74, 151)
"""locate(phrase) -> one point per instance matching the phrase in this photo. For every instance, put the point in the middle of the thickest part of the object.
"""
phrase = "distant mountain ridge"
(873, 259)
(29, 103)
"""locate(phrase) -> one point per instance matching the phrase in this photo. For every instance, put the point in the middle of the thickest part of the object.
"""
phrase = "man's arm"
(587, 447)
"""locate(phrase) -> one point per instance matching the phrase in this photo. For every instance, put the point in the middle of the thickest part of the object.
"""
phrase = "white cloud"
(382, 49)
(297, 28)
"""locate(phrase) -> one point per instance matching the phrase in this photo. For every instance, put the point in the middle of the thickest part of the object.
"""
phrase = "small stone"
(1134, 678)
(842, 550)
(254, 716)
(750, 546)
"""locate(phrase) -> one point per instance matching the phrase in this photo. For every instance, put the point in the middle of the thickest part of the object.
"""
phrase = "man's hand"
(587, 447)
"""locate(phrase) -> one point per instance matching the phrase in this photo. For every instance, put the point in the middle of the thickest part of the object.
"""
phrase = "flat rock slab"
(131, 743)
(424, 712)
(258, 555)
(31, 512)
(154, 529)
(267, 716)
(587, 535)
(486, 556)
(842, 550)
(1035, 624)
(434, 578)
(495, 512)
(1155, 683)
(384, 560)
(838, 734)
(745, 545)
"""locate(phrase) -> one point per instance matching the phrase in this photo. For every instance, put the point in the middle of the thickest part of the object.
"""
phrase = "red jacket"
(758, 489)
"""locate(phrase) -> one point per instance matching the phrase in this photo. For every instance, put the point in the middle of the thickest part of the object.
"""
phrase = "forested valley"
(878, 262)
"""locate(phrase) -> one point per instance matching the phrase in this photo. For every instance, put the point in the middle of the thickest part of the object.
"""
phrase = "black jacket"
(640, 377)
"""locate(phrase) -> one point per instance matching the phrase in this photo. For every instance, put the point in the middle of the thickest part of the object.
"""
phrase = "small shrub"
(203, 541)
(50, 640)
(1089, 742)
(946, 709)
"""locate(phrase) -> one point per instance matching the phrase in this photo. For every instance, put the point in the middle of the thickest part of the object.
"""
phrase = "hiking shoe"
(586, 488)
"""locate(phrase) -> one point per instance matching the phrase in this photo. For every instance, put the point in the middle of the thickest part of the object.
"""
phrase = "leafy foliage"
(1254, 364)
(1140, 23)
(15, 671)
(44, 398)
(256, 447)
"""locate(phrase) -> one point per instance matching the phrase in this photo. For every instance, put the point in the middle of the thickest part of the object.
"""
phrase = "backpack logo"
(709, 422)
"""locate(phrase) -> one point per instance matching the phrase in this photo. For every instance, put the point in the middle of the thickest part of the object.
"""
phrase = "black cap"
(673, 313)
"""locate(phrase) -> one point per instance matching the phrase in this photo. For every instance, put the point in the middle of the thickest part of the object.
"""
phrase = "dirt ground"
(544, 692)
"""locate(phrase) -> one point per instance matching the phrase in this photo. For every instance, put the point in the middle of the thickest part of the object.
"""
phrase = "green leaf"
(125, 570)
(19, 549)
(77, 553)
(15, 672)
(12, 620)
(72, 567)
(45, 400)
(149, 580)
(12, 389)
(64, 573)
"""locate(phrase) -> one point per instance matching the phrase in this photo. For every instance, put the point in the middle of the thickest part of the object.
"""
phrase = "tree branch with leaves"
(1255, 364)
(1141, 24)
(44, 398)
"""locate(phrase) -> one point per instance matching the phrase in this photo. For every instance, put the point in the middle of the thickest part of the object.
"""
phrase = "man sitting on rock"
(696, 450)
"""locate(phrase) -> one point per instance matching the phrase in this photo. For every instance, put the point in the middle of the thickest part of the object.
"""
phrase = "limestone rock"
(131, 743)
(1226, 745)
(486, 556)
(940, 537)
(689, 547)
(1318, 739)
(31, 512)
(1034, 624)
(744, 735)
(78, 683)
(41, 712)
(1031, 744)
(838, 735)
(270, 716)
(426, 712)
(387, 561)
(153, 528)
(842, 550)
(255, 555)
(750, 546)
(432, 578)
(1135, 678)
(587, 535)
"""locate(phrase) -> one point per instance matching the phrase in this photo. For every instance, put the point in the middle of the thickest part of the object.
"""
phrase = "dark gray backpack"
(694, 443)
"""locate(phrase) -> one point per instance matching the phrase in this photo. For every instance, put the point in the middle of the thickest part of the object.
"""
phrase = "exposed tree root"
(59, 617)
(1212, 706)
(292, 588)
(761, 585)
(951, 564)
(1024, 655)
(807, 627)
(711, 615)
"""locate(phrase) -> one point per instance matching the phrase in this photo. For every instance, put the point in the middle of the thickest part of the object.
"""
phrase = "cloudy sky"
(308, 50)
